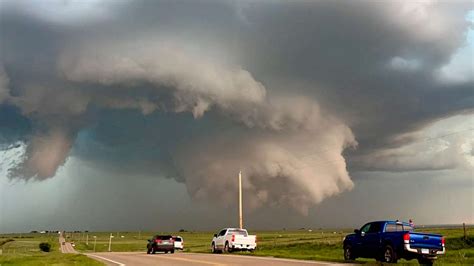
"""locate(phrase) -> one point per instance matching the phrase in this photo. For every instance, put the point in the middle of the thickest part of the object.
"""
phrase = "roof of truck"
(391, 221)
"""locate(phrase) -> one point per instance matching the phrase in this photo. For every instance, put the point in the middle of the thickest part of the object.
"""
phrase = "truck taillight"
(406, 237)
(158, 240)
(233, 238)
(443, 241)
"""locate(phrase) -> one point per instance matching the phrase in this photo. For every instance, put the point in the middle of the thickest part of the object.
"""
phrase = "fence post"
(464, 228)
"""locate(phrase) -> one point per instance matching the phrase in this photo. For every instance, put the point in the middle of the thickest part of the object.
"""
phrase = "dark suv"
(160, 243)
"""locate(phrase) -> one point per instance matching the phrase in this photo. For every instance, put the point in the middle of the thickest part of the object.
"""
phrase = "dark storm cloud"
(13, 126)
(341, 52)
(196, 90)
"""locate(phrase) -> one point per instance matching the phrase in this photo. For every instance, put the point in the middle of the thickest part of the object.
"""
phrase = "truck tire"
(424, 261)
(172, 251)
(389, 255)
(213, 248)
(349, 253)
(226, 247)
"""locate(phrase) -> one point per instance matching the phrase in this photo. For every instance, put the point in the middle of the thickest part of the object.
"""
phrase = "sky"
(138, 115)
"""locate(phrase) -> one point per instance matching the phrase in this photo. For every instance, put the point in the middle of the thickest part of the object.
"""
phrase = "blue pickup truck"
(388, 241)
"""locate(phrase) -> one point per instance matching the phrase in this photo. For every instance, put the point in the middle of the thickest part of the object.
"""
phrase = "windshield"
(163, 237)
(238, 232)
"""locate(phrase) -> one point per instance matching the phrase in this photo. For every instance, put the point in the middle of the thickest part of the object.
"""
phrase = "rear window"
(407, 228)
(163, 237)
(238, 232)
(177, 239)
(397, 228)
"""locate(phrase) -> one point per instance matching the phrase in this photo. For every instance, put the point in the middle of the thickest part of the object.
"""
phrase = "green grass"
(324, 245)
(24, 250)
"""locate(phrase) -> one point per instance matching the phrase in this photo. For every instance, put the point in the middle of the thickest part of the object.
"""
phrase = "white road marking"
(188, 260)
(270, 259)
(113, 261)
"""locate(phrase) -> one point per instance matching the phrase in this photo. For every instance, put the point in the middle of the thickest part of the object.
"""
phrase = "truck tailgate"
(245, 240)
(428, 241)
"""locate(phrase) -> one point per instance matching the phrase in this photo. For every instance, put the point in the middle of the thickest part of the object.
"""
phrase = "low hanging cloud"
(282, 98)
(44, 154)
(280, 132)
(196, 82)
(286, 128)
(280, 166)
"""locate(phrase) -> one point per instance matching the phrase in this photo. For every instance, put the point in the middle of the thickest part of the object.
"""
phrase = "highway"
(182, 259)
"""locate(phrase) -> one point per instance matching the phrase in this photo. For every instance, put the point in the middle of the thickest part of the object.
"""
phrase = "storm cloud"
(294, 94)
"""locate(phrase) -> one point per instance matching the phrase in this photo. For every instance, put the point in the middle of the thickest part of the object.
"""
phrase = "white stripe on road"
(188, 260)
(113, 261)
(269, 259)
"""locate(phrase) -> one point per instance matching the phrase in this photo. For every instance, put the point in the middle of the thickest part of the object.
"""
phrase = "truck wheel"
(166, 251)
(423, 261)
(227, 248)
(213, 248)
(172, 251)
(348, 253)
(389, 255)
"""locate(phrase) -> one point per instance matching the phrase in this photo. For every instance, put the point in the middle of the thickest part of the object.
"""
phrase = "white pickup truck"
(230, 239)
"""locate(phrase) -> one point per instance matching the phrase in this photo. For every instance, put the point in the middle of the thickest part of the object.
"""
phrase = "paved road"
(179, 259)
(67, 247)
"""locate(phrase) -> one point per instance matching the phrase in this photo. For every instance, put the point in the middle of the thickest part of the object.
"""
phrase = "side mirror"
(215, 235)
(357, 231)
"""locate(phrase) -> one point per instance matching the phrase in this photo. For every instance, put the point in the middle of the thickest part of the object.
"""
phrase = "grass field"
(323, 245)
(22, 249)
(315, 245)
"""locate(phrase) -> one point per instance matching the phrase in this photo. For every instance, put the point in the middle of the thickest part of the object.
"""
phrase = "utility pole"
(110, 242)
(95, 242)
(87, 239)
(240, 201)
(464, 228)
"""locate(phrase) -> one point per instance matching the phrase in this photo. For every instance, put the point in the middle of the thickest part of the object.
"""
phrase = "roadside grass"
(22, 249)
